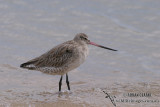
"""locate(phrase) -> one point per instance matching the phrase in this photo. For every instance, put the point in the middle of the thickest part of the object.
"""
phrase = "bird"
(63, 58)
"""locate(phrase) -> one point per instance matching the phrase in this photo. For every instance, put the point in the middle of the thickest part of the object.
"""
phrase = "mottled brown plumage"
(63, 58)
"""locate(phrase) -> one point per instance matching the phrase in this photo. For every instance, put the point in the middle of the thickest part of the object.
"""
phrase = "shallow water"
(29, 28)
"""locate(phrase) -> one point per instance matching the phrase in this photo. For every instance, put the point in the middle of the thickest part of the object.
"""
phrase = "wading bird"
(63, 58)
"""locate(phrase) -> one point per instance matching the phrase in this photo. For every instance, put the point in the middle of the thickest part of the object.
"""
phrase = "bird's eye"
(83, 38)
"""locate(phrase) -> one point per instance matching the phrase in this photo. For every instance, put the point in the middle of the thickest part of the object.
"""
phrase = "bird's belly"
(77, 59)
(52, 70)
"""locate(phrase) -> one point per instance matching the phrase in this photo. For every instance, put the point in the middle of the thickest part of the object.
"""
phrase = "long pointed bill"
(92, 43)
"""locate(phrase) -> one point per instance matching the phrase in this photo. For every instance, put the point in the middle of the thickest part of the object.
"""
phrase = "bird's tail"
(29, 65)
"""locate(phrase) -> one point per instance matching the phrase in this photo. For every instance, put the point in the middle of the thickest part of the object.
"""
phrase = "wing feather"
(56, 57)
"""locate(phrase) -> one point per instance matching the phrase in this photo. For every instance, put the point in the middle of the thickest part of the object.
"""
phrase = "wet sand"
(41, 90)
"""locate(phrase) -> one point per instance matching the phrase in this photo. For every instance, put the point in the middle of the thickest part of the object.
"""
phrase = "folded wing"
(56, 57)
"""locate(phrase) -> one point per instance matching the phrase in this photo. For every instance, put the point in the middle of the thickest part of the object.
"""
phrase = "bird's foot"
(64, 92)
(68, 92)
(60, 92)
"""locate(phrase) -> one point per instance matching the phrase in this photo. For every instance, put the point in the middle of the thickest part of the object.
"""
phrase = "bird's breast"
(83, 53)
(78, 58)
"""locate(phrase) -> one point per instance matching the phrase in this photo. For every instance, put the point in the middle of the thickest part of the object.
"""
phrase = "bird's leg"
(60, 82)
(67, 81)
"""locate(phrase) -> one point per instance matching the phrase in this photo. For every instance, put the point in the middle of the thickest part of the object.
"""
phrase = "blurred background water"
(29, 28)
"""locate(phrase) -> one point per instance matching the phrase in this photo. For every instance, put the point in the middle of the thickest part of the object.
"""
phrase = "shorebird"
(63, 58)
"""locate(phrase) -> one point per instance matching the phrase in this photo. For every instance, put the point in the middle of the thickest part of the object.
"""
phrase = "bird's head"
(83, 39)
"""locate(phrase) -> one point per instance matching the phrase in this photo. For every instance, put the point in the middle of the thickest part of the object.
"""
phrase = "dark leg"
(67, 81)
(60, 83)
